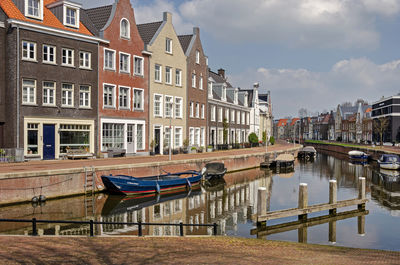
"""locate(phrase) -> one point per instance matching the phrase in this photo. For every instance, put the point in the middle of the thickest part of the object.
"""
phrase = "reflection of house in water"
(385, 188)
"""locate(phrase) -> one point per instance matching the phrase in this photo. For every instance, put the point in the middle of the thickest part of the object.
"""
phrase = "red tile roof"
(368, 110)
(282, 122)
(49, 19)
(294, 121)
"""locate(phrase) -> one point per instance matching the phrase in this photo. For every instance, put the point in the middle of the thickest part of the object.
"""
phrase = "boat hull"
(391, 166)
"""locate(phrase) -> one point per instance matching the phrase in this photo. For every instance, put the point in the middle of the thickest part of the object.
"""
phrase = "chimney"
(256, 85)
(167, 16)
(196, 31)
(221, 72)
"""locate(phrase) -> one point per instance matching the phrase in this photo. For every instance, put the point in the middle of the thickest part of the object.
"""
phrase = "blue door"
(49, 145)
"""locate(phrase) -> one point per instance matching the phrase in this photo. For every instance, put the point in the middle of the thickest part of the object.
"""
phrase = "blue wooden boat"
(128, 185)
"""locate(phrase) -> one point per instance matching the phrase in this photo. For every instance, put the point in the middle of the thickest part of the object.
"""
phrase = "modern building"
(49, 87)
(387, 108)
(123, 78)
(167, 82)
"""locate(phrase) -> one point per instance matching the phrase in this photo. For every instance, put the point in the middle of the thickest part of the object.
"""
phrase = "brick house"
(51, 79)
(123, 78)
(197, 76)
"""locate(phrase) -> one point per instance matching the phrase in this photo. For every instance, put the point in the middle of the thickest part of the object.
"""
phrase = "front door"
(157, 134)
(49, 142)
(130, 142)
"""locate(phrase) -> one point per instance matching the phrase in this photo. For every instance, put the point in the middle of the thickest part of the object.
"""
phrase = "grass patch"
(343, 144)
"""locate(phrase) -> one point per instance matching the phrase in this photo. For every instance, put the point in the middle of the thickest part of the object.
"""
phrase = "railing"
(91, 224)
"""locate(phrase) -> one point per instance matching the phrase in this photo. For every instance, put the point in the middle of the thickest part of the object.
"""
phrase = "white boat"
(355, 154)
(389, 161)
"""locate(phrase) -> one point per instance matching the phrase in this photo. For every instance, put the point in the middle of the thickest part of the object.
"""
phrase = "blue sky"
(310, 54)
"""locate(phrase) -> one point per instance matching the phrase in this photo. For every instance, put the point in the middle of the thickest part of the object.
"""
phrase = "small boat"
(307, 153)
(358, 155)
(389, 161)
(128, 185)
(283, 161)
(215, 170)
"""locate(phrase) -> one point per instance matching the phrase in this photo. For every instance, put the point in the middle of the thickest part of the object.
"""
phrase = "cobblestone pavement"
(175, 250)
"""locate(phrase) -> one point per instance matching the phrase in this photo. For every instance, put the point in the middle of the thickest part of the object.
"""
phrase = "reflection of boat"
(117, 204)
(307, 153)
(358, 155)
(215, 170)
(389, 161)
(389, 175)
(122, 184)
(214, 184)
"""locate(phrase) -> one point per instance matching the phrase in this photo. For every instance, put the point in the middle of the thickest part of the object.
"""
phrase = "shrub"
(253, 138)
(272, 140)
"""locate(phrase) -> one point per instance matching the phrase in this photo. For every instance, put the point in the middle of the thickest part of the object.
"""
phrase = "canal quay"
(232, 204)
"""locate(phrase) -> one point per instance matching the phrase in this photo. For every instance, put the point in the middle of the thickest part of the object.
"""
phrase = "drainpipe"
(97, 146)
(18, 92)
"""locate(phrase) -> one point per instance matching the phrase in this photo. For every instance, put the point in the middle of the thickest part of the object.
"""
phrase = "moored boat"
(307, 153)
(359, 155)
(389, 161)
(215, 170)
(128, 185)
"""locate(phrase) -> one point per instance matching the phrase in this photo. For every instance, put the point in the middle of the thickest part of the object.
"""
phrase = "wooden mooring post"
(262, 204)
(303, 199)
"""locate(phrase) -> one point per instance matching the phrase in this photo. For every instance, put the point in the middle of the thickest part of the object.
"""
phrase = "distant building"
(388, 108)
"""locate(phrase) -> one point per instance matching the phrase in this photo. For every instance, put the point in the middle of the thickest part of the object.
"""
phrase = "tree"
(380, 126)
(225, 125)
(264, 137)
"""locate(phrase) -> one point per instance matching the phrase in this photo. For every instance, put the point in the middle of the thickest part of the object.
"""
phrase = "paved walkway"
(68, 164)
(174, 250)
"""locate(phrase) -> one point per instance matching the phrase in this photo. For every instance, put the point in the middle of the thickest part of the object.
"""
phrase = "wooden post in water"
(361, 193)
(361, 225)
(303, 200)
(302, 234)
(262, 204)
(332, 232)
(332, 194)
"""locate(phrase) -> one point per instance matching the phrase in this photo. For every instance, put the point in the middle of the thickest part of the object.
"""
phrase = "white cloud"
(348, 80)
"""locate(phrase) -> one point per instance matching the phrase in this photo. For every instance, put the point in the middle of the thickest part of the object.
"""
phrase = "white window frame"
(77, 20)
(178, 107)
(191, 136)
(227, 115)
(233, 116)
(203, 111)
(197, 110)
(40, 11)
(237, 117)
(243, 118)
(169, 100)
(197, 56)
(161, 105)
(67, 57)
(28, 51)
(48, 94)
(201, 83)
(168, 45)
(124, 55)
(113, 52)
(54, 49)
(113, 95)
(220, 114)
(191, 109)
(128, 29)
(87, 96)
(141, 73)
(178, 143)
(87, 63)
(178, 77)
(213, 112)
(128, 98)
(70, 93)
(160, 71)
(141, 99)
(194, 80)
(168, 75)
(28, 102)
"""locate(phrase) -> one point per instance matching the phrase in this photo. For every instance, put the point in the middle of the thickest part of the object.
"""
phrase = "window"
(202, 111)
(124, 97)
(67, 95)
(168, 106)
(243, 118)
(28, 51)
(32, 148)
(210, 91)
(109, 59)
(157, 73)
(49, 91)
(233, 116)
(197, 110)
(157, 105)
(85, 59)
(191, 136)
(49, 54)
(167, 137)
(138, 99)
(193, 80)
(212, 113)
(125, 29)
(113, 136)
(178, 77)
(108, 95)
(203, 137)
(168, 45)
(67, 57)
(178, 107)
(238, 117)
(220, 114)
(138, 65)
(71, 17)
(178, 137)
(28, 91)
(197, 136)
(84, 96)
(34, 8)
(139, 137)
(191, 114)
(201, 83)
(248, 118)
(124, 63)
(227, 115)
(197, 57)
(168, 75)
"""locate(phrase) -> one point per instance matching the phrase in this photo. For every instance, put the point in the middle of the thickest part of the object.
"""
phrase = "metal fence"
(91, 224)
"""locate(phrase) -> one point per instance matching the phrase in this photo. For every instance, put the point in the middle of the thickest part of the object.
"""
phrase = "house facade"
(123, 78)
(266, 118)
(51, 79)
(196, 80)
(388, 108)
(167, 83)
(254, 105)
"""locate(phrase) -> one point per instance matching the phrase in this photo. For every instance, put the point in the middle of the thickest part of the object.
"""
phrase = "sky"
(312, 54)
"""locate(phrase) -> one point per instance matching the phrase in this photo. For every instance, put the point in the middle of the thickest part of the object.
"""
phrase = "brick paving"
(175, 250)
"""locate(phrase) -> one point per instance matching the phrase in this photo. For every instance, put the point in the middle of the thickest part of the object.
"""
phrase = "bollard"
(332, 194)
(91, 228)
(215, 229)
(34, 227)
(361, 193)
(140, 233)
(303, 199)
(181, 228)
(262, 204)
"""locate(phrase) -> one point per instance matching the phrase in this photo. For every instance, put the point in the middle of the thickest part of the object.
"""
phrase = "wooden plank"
(280, 228)
(309, 209)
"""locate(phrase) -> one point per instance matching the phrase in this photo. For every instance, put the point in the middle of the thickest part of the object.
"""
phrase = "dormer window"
(245, 101)
(34, 9)
(125, 29)
(223, 93)
(71, 14)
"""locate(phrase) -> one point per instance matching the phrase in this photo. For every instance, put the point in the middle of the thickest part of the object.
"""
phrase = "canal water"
(232, 204)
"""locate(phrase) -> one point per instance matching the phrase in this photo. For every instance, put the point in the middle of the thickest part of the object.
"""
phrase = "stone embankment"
(20, 182)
